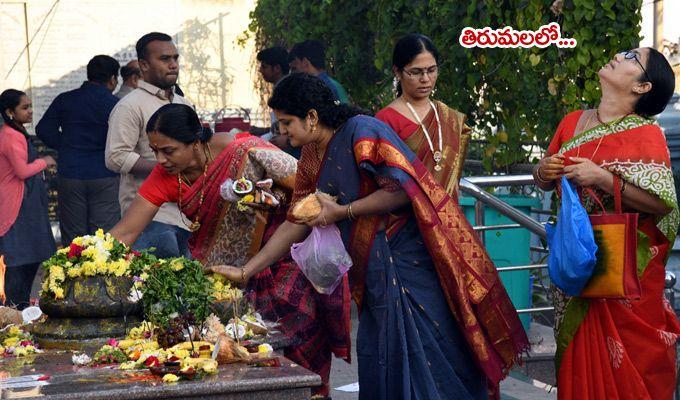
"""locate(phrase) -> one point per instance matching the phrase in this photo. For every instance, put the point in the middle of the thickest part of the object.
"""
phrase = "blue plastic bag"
(571, 243)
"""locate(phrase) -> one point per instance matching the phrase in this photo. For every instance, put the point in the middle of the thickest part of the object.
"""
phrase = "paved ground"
(515, 387)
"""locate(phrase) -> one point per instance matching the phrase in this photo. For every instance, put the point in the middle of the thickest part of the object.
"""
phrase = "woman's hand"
(230, 272)
(331, 212)
(551, 167)
(50, 161)
(584, 172)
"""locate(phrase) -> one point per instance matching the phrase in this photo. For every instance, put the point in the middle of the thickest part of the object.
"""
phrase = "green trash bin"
(508, 247)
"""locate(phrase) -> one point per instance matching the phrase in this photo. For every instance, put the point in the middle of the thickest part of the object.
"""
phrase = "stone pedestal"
(93, 310)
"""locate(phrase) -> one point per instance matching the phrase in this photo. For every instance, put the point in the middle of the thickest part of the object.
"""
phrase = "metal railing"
(473, 186)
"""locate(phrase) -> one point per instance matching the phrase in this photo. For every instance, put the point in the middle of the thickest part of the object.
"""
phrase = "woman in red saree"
(429, 128)
(620, 349)
(192, 165)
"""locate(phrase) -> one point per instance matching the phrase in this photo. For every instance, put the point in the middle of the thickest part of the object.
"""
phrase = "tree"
(511, 96)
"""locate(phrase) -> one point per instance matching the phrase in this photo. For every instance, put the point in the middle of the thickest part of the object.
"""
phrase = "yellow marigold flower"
(14, 330)
(128, 365)
(170, 378)
(101, 266)
(108, 245)
(11, 341)
(74, 272)
(144, 276)
(78, 241)
(20, 352)
(177, 265)
(57, 272)
(65, 250)
(89, 268)
(58, 293)
(181, 353)
(89, 252)
(100, 233)
(218, 286)
(209, 366)
(45, 285)
(2, 350)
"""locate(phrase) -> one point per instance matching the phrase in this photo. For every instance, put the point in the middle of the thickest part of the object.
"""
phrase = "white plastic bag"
(322, 258)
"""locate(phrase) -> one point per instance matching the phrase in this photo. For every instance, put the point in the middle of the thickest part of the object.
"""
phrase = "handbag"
(615, 273)
(572, 246)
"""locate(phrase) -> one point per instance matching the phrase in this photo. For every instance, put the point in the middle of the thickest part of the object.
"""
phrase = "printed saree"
(229, 236)
(622, 349)
(455, 138)
(435, 320)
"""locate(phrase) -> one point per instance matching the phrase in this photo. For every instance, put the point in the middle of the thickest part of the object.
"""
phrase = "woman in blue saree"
(435, 321)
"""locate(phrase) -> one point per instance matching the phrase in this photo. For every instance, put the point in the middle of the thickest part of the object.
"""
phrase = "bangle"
(243, 275)
(623, 186)
(538, 176)
(350, 214)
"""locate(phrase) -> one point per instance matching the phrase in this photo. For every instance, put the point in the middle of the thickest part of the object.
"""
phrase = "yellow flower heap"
(91, 255)
(222, 290)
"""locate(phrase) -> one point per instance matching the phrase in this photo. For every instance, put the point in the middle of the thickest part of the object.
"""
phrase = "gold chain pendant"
(437, 167)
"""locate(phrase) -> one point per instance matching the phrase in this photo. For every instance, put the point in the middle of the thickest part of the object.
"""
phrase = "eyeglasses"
(421, 72)
(630, 55)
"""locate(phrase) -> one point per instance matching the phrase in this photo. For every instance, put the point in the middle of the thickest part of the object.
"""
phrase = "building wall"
(216, 71)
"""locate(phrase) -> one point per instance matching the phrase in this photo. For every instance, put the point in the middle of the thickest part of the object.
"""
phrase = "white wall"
(66, 35)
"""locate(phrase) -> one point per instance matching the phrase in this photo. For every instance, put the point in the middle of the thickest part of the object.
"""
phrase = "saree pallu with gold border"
(622, 349)
(231, 237)
(435, 320)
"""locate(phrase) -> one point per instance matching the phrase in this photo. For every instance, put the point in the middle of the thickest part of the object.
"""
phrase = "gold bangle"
(243, 275)
(350, 214)
(623, 186)
(538, 176)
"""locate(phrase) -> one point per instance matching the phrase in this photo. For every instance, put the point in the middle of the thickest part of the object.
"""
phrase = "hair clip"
(336, 102)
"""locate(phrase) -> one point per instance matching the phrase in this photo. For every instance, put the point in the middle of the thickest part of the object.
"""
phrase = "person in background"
(309, 56)
(131, 75)
(25, 234)
(75, 125)
(127, 145)
(620, 348)
(436, 133)
(273, 67)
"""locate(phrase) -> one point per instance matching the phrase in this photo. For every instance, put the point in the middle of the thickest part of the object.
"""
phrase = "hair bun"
(206, 133)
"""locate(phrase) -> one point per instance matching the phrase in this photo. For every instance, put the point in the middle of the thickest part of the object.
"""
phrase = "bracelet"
(350, 214)
(538, 176)
(623, 186)
(243, 275)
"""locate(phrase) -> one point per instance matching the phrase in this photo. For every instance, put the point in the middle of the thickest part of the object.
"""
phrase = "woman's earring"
(434, 91)
(395, 84)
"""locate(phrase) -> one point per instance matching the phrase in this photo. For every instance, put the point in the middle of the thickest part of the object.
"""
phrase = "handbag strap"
(617, 196)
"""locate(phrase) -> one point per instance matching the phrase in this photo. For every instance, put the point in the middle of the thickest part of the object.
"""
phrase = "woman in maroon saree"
(426, 126)
(192, 165)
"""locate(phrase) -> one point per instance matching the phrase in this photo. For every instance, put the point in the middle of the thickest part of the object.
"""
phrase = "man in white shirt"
(127, 145)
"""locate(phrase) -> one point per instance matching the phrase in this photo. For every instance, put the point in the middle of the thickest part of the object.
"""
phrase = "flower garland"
(91, 255)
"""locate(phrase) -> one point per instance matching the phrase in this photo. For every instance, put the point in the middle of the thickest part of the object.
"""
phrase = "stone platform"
(19, 379)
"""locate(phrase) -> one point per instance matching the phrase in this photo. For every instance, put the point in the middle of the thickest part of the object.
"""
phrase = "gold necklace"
(436, 154)
(196, 224)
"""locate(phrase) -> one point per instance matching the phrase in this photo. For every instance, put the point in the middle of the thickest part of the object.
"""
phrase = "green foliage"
(522, 92)
(174, 287)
